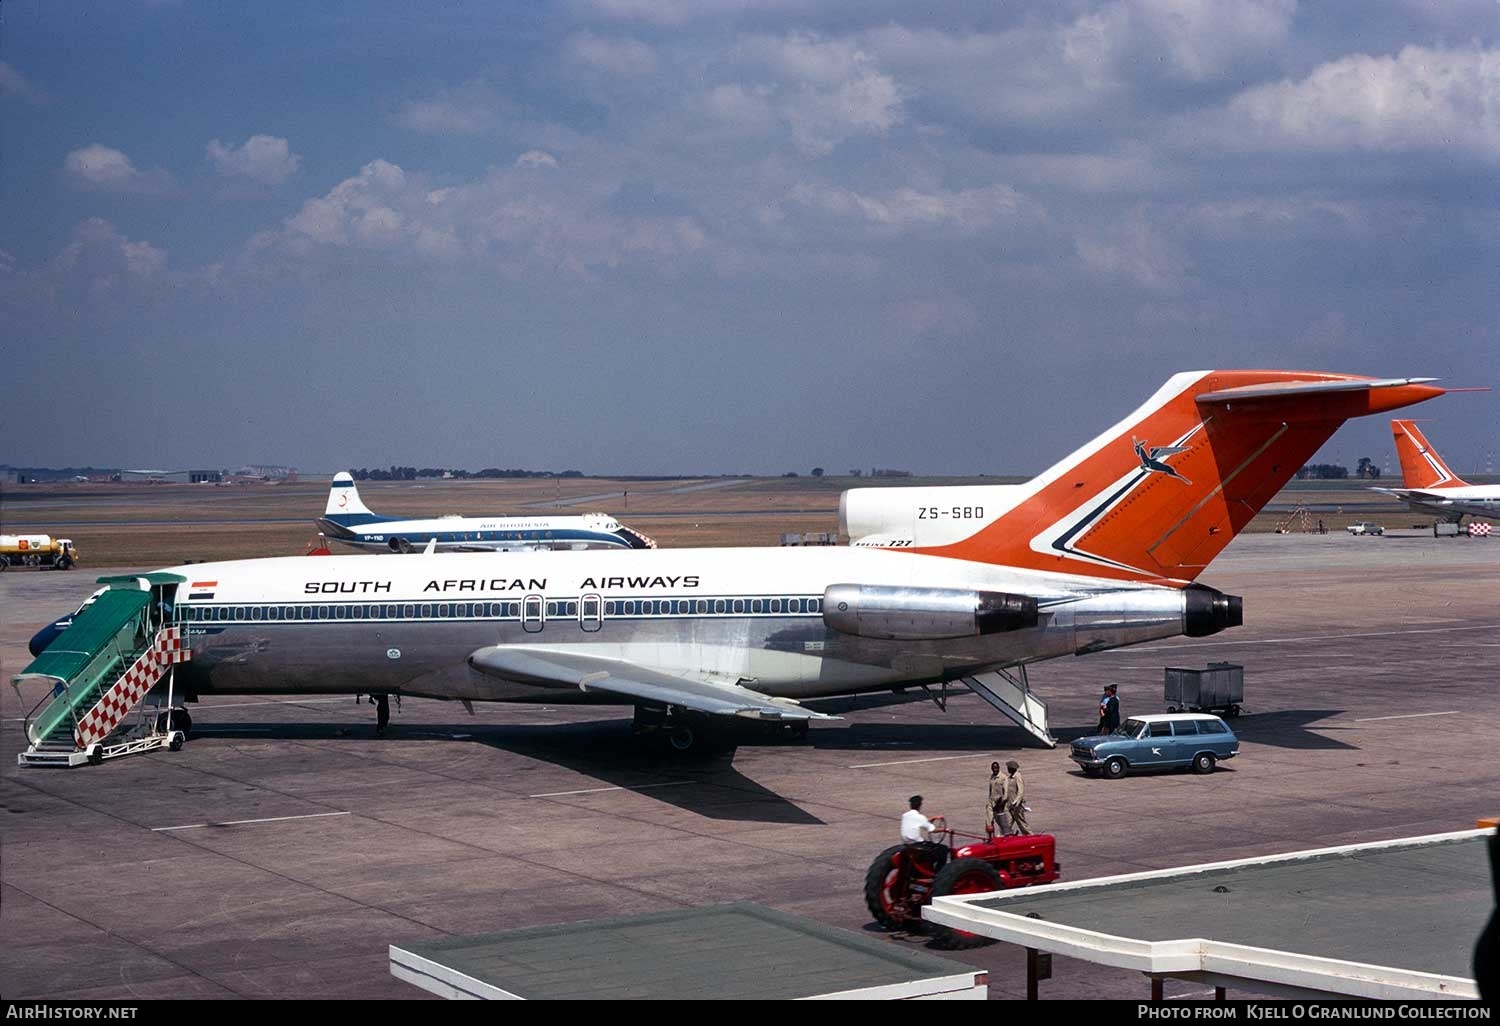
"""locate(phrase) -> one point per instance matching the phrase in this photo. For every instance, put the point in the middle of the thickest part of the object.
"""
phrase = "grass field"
(135, 525)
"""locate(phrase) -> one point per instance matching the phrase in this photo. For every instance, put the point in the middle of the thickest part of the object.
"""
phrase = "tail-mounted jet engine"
(924, 614)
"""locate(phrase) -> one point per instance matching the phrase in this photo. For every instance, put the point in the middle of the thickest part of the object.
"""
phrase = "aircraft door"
(163, 610)
(591, 612)
(533, 614)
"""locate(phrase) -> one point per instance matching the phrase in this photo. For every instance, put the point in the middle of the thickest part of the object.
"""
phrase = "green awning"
(153, 578)
(91, 631)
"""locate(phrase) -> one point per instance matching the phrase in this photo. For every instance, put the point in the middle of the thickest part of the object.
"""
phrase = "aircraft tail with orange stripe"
(1158, 496)
(1421, 466)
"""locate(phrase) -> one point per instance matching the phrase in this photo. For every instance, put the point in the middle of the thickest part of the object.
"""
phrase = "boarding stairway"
(98, 671)
(1010, 692)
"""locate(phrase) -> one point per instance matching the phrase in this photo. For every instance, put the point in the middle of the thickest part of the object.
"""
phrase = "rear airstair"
(98, 671)
(1010, 692)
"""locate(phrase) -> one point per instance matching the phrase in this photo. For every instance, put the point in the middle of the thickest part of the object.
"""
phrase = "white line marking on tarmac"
(203, 709)
(295, 701)
(1335, 637)
(903, 762)
(596, 790)
(1405, 716)
(242, 822)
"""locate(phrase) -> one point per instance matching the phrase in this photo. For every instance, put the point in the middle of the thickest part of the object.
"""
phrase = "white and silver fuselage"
(365, 625)
(1451, 503)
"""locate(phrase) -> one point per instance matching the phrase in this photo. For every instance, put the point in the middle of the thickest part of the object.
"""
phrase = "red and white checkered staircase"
(96, 735)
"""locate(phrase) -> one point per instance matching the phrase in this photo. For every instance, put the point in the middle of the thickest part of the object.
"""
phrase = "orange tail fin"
(1159, 495)
(1421, 466)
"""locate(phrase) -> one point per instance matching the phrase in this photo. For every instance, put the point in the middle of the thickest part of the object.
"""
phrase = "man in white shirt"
(915, 827)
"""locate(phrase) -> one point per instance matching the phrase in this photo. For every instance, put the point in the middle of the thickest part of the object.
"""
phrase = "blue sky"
(717, 236)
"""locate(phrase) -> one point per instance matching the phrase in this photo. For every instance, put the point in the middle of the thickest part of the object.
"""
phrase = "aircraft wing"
(1415, 495)
(633, 681)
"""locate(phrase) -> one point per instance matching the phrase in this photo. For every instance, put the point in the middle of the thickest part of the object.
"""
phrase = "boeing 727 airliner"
(1431, 487)
(1102, 550)
(347, 520)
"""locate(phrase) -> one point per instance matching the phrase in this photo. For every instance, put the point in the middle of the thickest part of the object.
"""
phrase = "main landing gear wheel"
(1204, 762)
(181, 721)
(1115, 768)
(682, 738)
(884, 905)
(964, 876)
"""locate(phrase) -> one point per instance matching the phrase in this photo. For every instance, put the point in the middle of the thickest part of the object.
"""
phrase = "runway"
(283, 849)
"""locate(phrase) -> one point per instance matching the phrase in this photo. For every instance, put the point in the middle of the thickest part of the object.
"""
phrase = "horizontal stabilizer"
(1284, 389)
(633, 682)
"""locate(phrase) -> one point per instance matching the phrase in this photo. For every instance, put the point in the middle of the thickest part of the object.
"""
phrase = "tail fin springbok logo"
(1154, 459)
(1124, 509)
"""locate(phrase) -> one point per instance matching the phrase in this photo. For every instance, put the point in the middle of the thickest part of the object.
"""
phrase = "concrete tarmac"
(283, 849)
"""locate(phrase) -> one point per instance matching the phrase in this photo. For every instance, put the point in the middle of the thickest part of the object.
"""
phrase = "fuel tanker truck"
(38, 550)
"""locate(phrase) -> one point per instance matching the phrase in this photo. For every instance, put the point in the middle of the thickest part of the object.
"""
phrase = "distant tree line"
(1323, 472)
(413, 473)
(1337, 472)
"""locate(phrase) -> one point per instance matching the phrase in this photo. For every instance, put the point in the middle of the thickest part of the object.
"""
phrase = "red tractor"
(904, 878)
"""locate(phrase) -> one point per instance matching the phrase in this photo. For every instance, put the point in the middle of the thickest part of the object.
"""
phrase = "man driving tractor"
(916, 830)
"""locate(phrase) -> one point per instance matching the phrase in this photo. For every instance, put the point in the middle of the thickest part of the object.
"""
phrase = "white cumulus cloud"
(1047, 71)
(99, 247)
(101, 167)
(619, 56)
(674, 13)
(470, 109)
(16, 86)
(267, 159)
(511, 217)
(357, 210)
(1420, 99)
(1135, 251)
(968, 210)
(825, 90)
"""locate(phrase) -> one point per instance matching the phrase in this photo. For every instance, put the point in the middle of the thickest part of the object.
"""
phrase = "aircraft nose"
(46, 636)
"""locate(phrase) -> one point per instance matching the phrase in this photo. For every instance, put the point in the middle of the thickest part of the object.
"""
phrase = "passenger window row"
(779, 605)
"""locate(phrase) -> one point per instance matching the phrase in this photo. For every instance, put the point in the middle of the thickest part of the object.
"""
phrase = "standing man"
(994, 806)
(1015, 798)
(1109, 710)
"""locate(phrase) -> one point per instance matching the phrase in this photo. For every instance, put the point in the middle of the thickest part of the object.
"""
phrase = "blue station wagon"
(1161, 740)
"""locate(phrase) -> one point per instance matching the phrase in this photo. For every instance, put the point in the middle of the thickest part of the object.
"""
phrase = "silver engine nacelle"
(924, 614)
(1113, 619)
